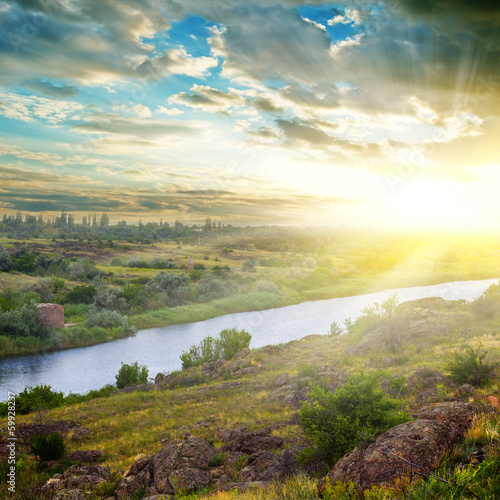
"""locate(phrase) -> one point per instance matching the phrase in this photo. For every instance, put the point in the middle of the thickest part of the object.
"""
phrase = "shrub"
(106, 319)
(211, 288)
(335, 329)
(42, 286)
(230, 342)
(80, 295)
(21, 322)
(47, 446)
(6, 263)
(249, 266)
(355, 413)
(108, 297)
(130, 375)
(217, 460)
(469, 367)
(267, 286)
(41, 396)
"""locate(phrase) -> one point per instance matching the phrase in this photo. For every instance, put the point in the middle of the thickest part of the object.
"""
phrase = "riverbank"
(249, 394)
(72, 338)
(81, 370)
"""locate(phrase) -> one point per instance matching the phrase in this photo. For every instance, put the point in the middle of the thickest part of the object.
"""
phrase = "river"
(86, 368)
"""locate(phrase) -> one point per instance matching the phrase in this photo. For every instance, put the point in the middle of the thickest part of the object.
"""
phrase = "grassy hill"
(406, 347)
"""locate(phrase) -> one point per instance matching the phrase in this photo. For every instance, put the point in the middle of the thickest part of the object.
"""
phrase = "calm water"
(80, 370)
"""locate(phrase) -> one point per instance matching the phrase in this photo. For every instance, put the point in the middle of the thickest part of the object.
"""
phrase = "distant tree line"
(93, 226)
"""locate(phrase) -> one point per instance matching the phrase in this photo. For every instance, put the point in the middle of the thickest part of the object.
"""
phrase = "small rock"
(281, 379)
(465, 390)
(188, 480)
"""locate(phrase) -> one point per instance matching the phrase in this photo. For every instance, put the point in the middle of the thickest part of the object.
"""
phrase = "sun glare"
(432, 205)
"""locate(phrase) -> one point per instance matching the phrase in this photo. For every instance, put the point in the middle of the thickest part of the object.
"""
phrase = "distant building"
(51, 315)
(191, 265)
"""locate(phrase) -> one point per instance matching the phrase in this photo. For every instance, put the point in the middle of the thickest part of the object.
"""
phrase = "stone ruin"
(51, 315)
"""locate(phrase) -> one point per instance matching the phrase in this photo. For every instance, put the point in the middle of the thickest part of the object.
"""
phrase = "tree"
(104, 221)
(210, 288)
(6, 263)
(173, 288)
(130, 375)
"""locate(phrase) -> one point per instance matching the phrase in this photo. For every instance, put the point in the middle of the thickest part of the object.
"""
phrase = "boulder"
(188, 480)
(412, 447)
(249, 442)
(465, 390)
(139, 477)
(296, 397)
(281, 379)
(242, 354)
(264, 466)
(192, 453)
(77, 477)
(407, 450)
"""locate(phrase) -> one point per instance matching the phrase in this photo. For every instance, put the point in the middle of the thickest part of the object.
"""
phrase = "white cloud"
(30, 108)
(168, 112)
(351, 16)
(314, 23)
(141, 111)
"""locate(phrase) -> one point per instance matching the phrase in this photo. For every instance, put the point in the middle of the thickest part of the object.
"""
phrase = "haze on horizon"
(346, 113)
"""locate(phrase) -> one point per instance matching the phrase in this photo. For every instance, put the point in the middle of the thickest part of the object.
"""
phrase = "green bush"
(23, 321)
(106, 319)
(230, 342)
(41, 396)
(354, 414)
(469, 367)
(80, 295)
(47, 446)
(130, 375)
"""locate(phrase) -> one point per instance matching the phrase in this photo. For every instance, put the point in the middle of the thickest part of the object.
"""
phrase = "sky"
(362, 113)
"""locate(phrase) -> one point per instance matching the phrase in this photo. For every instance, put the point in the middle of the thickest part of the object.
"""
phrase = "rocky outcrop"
(139, 477)
(264, 466)
(281, 379)
(77, 477)
(178, 467)
(410, 449)
(249, 442)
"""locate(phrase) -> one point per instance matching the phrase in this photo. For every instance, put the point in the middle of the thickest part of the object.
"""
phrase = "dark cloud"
(48, 88)
(138, 127)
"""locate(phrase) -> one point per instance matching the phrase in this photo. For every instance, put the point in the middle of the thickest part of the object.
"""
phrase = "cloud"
(62, 91)
(206, 98)
(30, 108)
(175, 62)
(169, 112)
(143, 128)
